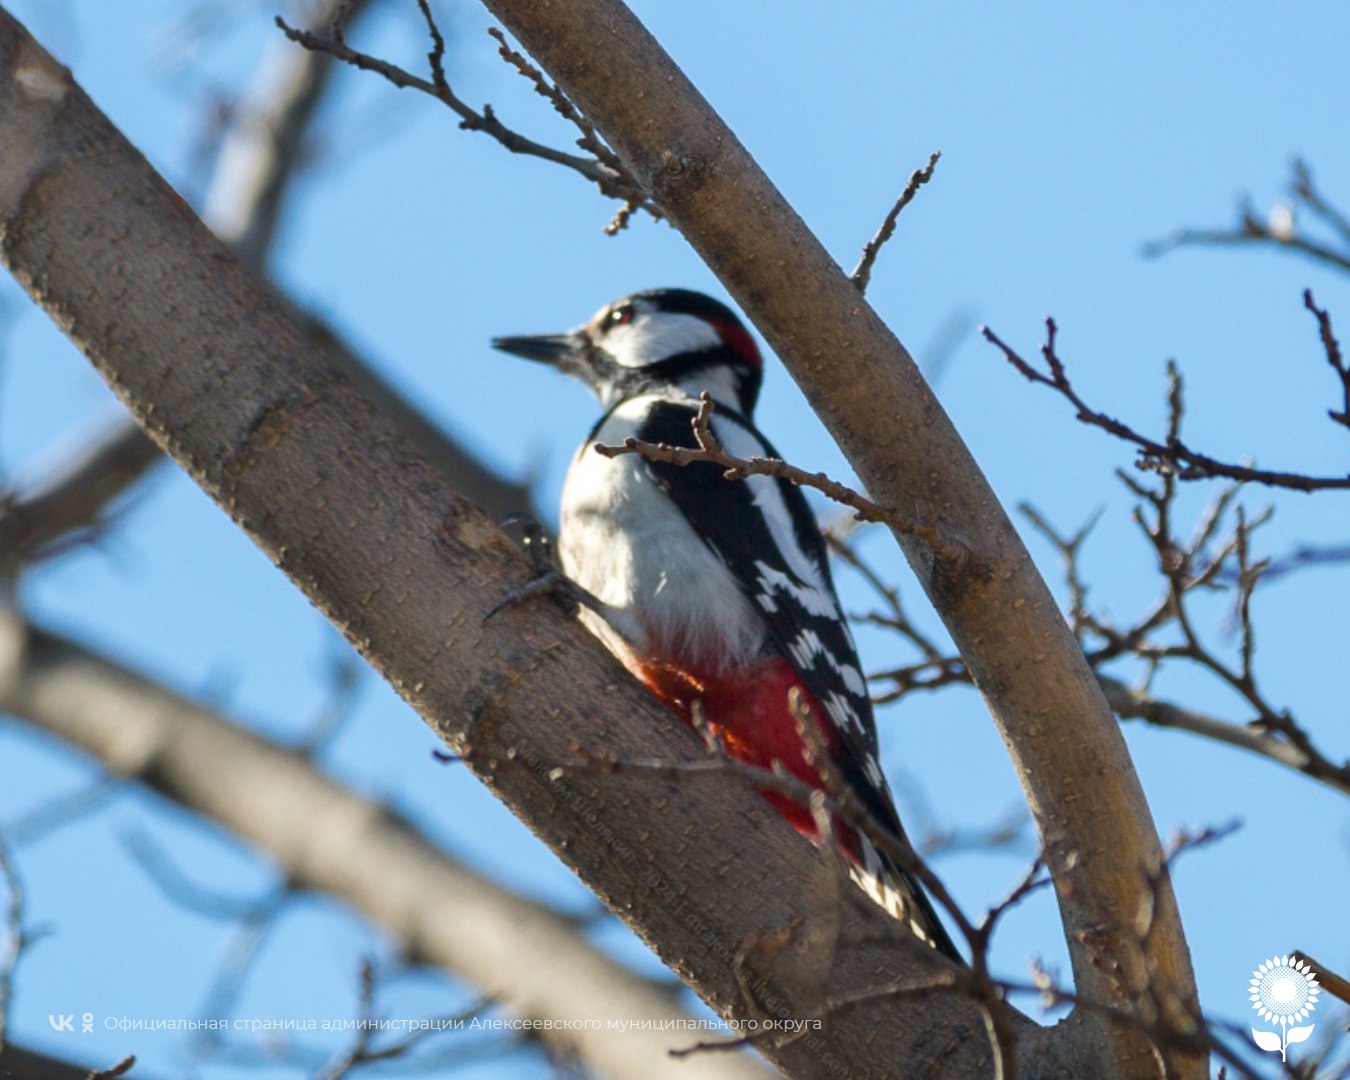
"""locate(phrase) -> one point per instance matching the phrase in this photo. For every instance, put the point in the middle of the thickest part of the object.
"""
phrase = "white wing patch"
(810, 589)
(888, 889)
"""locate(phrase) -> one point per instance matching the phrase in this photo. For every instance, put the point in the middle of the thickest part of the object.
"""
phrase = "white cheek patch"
(648, 339)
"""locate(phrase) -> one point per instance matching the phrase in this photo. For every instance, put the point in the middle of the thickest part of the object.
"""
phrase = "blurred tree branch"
(256, 166)
(1280, 229)
(19, 1064)
(536, 963)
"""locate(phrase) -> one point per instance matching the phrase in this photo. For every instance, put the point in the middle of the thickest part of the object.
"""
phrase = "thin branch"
(120, 1069)
(1303, 188)
(1334, 984)
(709, 451)
(62, 810)
(40, 522)
(1133, 704)
(1280, 229)
(605, 172)
(1069, 548)
(362, 1052)
(201, 900)
(1170, 456)
(862, 273)
(1184, 841)
(1332, 348)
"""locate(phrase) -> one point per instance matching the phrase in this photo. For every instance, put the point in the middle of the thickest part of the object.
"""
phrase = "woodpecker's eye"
(619, 316)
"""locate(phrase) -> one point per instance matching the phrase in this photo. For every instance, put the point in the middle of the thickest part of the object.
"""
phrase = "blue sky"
(1071, 134)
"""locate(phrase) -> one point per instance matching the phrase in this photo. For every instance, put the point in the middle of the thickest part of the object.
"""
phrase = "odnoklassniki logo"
(1284, 991)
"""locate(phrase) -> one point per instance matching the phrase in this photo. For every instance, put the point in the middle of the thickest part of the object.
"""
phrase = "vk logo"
(62, 1023)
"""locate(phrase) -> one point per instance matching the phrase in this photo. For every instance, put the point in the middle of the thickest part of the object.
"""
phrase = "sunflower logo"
(1284, 991)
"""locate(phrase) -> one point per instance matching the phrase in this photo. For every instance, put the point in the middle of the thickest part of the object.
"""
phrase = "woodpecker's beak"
(562, 351)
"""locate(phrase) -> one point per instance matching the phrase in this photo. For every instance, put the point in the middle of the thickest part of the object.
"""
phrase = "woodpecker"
(717, 593)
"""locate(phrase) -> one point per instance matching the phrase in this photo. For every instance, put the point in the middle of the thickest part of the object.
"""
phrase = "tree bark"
(17, 1063)
(533, 962)
(1124, 933)
(254, 169)
(294, 443)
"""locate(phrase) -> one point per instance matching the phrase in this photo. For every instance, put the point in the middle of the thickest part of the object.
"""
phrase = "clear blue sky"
(1071, 134)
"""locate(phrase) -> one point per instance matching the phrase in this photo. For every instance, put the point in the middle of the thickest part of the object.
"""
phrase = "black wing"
(765, 533)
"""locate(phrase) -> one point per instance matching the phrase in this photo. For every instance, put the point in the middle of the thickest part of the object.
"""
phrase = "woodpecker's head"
(651, 340)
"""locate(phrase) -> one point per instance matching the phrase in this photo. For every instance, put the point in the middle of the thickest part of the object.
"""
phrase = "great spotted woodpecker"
(713, 591)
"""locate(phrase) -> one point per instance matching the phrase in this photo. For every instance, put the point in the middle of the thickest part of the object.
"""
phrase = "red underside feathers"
(747, 710)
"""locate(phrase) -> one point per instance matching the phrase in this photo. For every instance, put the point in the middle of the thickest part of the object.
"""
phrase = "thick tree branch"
(529, 959)
(256, 166)
(1065, 744)
(266, 419)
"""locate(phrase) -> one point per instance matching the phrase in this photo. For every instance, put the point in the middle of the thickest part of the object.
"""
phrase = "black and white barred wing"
(764, 532)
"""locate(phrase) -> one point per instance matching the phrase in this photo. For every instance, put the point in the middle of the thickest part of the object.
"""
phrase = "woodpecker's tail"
(896, 891)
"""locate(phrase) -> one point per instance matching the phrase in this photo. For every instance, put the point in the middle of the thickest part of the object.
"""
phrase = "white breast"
(626, 542)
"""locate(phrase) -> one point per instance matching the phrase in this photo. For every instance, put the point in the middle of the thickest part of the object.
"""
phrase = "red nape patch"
(748, 711)
(738, 339)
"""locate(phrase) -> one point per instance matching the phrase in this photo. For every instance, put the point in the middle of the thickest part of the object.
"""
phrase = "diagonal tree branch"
(255, 168)
(262, 151)
(265, 418)
(1065, 744)
(1133, 704)
(38, 521)
(531, 960)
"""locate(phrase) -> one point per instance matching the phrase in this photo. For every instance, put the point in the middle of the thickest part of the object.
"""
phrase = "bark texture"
(298, 446)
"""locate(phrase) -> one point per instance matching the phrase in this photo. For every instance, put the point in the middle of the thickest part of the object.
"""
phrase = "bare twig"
(1204, 562)
(69, 506)
(120, 1069)
(1303, 557)
(1133, 704)
(709, 451)
(604, 169)
(1333, 984)
(1184, 841)
(362, 1052)
(1169, 456)
(1069, 547)
(1278, 230)
(862, 273)
(61, 810)
(1334, 356)
(185, 893)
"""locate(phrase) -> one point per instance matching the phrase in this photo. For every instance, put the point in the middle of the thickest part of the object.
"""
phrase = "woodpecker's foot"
(549, 580)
